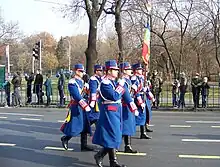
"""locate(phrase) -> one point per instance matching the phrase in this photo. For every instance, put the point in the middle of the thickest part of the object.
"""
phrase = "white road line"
(201, 140)
(215, 126)
(200, 156)
(7, 144)
(21, 114)
(61, 121)
(57, 148)
(180, 126)
(31, 119)
(3, 117)
(204, 122)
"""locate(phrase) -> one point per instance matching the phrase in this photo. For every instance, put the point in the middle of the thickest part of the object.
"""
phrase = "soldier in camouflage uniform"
(156, 88)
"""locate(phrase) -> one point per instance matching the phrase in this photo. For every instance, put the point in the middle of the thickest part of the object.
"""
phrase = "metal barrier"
(213, 99)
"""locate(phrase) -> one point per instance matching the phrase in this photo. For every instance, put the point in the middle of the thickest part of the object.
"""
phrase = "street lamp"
(69, 51)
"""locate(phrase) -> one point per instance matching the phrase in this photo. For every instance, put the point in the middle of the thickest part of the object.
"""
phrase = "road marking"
(204, 122)
(7, 144)
(58, 148)
(21, 114)
(180, 126)
(200, 156)
(61, 121)
(133, 154)
(3, 117)
(215, 126)
(31, 119)
(201, 140)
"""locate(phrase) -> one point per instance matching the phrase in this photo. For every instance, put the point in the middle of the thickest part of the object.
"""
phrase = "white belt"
(112, 102)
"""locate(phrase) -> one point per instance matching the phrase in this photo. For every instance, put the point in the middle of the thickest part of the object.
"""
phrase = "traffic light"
(36, 50)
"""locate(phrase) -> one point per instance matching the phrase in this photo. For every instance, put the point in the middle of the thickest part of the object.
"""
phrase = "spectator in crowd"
(48, 88)
(182, 89)
(38, 87)
(16, 81)
(6, 86)
(196, 88)
(29, 79)
(61, 83)
(205, 92)
(175, 92)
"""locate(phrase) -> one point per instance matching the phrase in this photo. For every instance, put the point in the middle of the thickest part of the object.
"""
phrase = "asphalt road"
(31, 138)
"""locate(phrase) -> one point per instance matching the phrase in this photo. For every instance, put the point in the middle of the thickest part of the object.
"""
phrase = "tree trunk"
(91, 53)
(118, 28)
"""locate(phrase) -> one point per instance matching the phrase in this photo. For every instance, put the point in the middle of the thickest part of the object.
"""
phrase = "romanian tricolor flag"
(146, 45)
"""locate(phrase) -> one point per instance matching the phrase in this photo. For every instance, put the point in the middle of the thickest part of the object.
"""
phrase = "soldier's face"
(79, 73)
(128, 72)
(114, 73)
(99, 72)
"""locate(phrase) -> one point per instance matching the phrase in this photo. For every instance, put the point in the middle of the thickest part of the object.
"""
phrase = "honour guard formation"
(115, 99)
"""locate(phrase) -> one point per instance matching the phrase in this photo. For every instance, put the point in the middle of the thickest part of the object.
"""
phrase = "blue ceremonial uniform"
(76, 120)
(109, 127)
(93, 87)
(137, 84)
(128, 107)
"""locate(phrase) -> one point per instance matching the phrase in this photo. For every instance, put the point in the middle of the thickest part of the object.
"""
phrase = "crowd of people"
(199, 87)
(34, 85)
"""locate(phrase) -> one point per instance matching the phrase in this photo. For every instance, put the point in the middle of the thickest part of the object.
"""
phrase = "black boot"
(84, 146)
(113, 158)
(143, 134)
(64, 141)
(128, 148)
(99, 156)
(147, 129)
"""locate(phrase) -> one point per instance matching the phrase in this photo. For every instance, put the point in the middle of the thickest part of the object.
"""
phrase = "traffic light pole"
(40, 57)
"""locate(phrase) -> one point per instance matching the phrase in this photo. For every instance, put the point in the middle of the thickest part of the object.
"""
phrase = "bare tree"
(93, 9)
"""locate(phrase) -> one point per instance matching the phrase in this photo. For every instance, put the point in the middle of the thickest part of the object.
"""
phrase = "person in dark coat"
(182, 89)
(29, 79)
(7, 88)
(48, 87)
(108, 133)
(61, 83)
(205, 92)
(196, 88)
(77, 122)
(38, 83)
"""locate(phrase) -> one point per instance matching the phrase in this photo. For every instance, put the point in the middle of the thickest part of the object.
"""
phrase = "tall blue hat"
(137, 66)
(111, 64)
(125, 66)
(98, 67)
(79, 67)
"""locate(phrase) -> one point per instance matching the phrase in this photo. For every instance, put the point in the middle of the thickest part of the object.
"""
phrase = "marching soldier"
(137, 81)
(77, 121)
(156, 82)
(129, 124)
(108, 133)
(94, 98)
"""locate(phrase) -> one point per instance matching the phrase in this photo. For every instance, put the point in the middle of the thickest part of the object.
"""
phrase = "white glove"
(143, 106)
(136, 113)
(145, 89)
(121, 82)
(86, 85)
(153, 99)
(92, 104)
(87, 109)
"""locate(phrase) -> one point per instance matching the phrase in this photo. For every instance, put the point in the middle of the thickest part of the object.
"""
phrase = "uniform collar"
(110, 77)
(77, 77)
